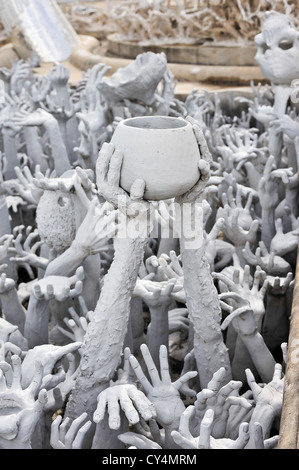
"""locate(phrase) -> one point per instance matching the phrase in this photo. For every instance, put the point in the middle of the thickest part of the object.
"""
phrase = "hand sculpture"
(268, 401)
(271, 263)
(59, 287)
(69, 435)
(219, 399)
(24, 410)
(283, 243)
(48, 355)
(162, 391)
(185, 439)
(239, 226)
(27, 254)
(127, 397)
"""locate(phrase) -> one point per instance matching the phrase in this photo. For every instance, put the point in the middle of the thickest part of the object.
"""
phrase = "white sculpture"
(123, 324)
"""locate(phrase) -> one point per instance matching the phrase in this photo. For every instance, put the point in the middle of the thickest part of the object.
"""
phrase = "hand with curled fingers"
(23, 406)
(219, 398)
(59, 287)
(49, 355)
(203, 165)
(67, 434)
(28, 252)
(269, 262)
(185, 439)
(251, 290)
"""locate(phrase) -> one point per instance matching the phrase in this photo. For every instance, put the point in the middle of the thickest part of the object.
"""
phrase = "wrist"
(79, 248)
(51, 123)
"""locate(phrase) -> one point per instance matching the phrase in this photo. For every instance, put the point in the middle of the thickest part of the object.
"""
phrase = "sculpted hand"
(98, 226)
(67, 434)
(125, 397)
(27, 254)
(23, 409)
(219, 399)
(163, 393)
(108, 176)
(5, 242)
(271, 263)
(205, 440)
(138, 441)
(49, 355)
(203, 165)
(283, 243)
(59, 287)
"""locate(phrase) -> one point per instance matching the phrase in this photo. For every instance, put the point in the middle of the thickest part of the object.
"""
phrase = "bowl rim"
(167, 123)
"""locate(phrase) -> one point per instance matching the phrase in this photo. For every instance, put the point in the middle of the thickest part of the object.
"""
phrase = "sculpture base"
(196, 54)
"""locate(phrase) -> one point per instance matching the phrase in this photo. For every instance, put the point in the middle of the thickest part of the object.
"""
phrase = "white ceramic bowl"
(161, 150)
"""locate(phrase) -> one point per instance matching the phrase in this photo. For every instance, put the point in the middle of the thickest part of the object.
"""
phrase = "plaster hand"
(97, 228)
(108, 176)
(25, 187)
(20, 72)
(178, 320)
(6, 349)
(153, 293)
(253, 291)
(281, 285)
(59, 287)
(49, 356)
(269, 396)
(77, 324)
(203, 165)
(239, 226)
(6, 284)
(27, 254)
(39, 89)
(138, 441)
(219, 399)
(205, 440)
(5, 243)
(259, 442)
(288, 125)
(62, 382)
(125, 397)
(263, 113)
(59, 76)
(38, 117)
(267, 187)
(284, 243)
(67, 434)
(23, 407)
(271, 263)
(163, 393)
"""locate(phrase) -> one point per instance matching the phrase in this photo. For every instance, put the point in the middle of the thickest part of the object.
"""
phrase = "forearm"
(106, 332)
(264, 415)
(58, 150)
(66, 263)
(157, 331)
(13, 311)
(11, 155)
(205, 315)
(36, 323)
(260, 355)
(34, 147)
(268, 226)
